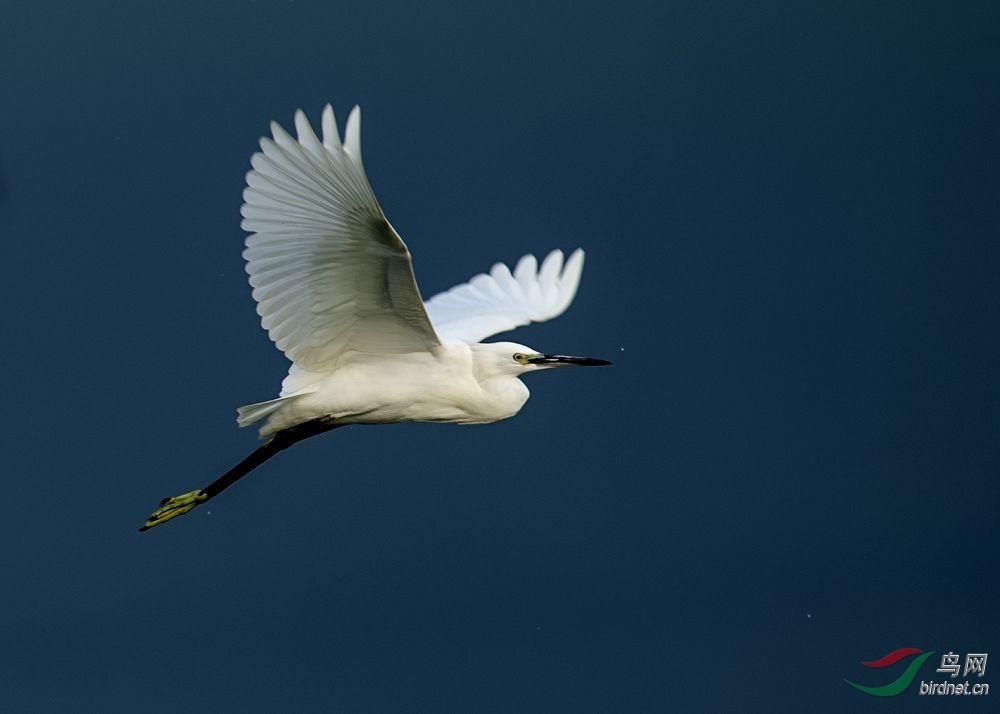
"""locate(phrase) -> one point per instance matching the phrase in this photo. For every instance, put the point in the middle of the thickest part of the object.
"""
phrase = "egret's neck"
(505, 395)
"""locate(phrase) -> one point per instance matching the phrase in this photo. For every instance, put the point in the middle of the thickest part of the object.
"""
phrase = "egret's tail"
(247, 415)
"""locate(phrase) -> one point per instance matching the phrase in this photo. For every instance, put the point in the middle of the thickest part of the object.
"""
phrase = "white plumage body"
(444, 386)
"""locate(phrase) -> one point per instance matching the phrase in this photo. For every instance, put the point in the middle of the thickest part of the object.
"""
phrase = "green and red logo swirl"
(903, 681)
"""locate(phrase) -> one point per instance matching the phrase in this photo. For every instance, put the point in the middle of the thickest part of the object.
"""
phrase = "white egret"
(335, 291)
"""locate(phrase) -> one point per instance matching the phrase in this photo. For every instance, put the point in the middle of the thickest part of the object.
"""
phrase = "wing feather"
(328, 272)
(502, 300)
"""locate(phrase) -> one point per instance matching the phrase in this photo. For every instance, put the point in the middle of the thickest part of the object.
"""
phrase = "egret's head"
(514, 359)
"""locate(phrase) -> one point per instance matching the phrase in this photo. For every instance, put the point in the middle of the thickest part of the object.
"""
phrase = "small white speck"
(809, 615)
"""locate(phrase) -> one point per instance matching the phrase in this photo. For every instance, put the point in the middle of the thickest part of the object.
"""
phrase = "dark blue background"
(791, 217)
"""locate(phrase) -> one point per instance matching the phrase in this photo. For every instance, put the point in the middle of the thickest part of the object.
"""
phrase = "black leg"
(179, 505)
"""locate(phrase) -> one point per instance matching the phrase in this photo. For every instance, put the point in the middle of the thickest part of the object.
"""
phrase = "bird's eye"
(520, 358)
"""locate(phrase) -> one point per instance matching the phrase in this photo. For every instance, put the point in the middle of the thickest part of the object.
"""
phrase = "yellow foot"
(173, 507)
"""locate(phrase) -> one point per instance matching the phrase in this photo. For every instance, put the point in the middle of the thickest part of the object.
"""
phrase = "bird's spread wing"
(328, 272)
(501, 301)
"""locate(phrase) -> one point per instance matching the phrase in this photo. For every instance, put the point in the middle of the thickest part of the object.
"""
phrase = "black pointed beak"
(555, 360)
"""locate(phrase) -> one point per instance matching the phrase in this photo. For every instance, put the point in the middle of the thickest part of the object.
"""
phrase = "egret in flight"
(335, 291)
